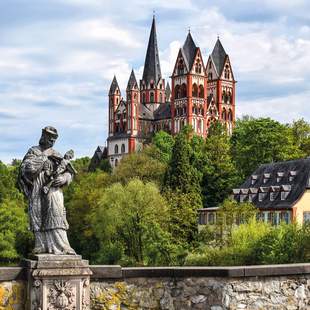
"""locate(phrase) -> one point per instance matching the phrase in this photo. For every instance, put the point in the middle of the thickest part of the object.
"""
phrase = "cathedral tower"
(133, 106)
(189, 89)
(221, 87)
(114, 100)
(152, 86)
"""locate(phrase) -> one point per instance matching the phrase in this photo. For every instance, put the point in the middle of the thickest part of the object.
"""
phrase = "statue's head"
(48, 137)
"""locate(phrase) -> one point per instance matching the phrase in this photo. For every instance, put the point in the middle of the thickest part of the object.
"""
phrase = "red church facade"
(200, 94)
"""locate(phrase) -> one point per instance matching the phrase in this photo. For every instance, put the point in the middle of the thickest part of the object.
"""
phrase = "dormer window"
(253, 179)
(274, 191)
(292, 175)
(262, 193)
(266, 178)
(280, 176)
(243, 194)
(252, 193)
(285, 191)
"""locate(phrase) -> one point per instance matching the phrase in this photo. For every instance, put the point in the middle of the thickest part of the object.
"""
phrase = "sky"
(58, 58)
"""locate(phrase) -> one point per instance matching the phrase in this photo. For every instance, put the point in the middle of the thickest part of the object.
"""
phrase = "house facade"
(200, 93)
(280, 191)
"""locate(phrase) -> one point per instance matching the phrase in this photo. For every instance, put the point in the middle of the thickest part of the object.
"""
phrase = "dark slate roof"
(152, 65)
(218, 56)
(114, 86)
(163, 111)
(145, 112)
(189, 50)
(291, 177)
(167, 91)
(132, 82)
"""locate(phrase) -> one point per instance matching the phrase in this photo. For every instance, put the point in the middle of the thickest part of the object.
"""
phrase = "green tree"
(163, 145)
(181, 174)
(259, 141)
(139, 165)
(135, 217)
(82, 199)
(219, 171)
(15, 239)
(301, 135)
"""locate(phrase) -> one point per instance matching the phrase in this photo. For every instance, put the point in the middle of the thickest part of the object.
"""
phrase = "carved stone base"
(57, 282)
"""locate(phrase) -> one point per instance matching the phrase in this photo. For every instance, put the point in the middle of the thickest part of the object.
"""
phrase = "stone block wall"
(214, 288)
(258, 287)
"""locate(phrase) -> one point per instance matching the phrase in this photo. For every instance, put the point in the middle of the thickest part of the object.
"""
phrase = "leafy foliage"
(261, 140)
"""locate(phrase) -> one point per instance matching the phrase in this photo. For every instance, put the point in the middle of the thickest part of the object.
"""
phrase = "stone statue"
(43, 173)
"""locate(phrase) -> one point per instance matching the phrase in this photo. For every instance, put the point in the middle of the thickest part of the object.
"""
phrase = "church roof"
(163, 111)
(218, 56)
(145, 112)
(152, 65)
(114, 86)
(290, 177)
(132, 82)
(189, 50)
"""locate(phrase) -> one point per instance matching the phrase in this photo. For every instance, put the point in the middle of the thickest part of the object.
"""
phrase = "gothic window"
(180, 67)
(223, 95)
(152, 85)
(151, 97)
(210, 76)
(230, 117)
(227, 72)
(143, 98)
(201, 91)
(183, 91)
(123, 148)
(177, 92)
(116, 100)
(116, 149)
(195, 90)
(160, 97)
(116, 162)
(224, 115)
(210, 65)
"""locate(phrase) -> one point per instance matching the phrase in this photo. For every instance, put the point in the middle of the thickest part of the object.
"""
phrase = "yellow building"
(280, 191)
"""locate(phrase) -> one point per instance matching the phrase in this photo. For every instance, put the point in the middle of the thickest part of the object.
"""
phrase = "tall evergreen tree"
(219, 172)
(181, 174)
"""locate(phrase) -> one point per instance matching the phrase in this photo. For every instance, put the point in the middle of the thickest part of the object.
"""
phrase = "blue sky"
(58, 57)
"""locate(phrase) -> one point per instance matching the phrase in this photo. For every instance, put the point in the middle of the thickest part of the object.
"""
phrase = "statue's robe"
(47, 213)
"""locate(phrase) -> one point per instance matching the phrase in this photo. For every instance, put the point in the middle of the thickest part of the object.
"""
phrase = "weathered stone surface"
(12, 295)
(203, 293)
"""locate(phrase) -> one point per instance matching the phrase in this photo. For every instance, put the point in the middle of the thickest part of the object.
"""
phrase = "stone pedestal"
(57, 282)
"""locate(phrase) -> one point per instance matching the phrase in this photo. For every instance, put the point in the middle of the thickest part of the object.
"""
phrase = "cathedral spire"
(132, 82)
(114, 86)
(189, 49)
(152, 65)
(218, 56)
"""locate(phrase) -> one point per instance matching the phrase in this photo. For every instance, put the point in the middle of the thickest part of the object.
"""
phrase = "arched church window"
(160, 97)
(210, 76)
(224, 115)
(143, 97)
(116, 162)
(151, 97)
(201, 91)
(123, 148)
(230, 115)
(223, 95)
(195, 90)
(183, 91)
(116, 149)
(180, 67)
(177, 92)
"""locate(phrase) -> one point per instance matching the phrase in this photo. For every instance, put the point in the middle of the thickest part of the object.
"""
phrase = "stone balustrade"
(216, 288)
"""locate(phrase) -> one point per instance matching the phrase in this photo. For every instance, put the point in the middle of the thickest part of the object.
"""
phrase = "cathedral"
(199, 94)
